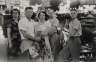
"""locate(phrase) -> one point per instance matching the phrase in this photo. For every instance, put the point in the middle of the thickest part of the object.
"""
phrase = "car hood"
(92, 30)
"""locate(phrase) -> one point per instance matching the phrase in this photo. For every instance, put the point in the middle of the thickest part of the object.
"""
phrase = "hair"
(36, 45)
(51, 10)
(17, 11)
(28, 8)
(7, 11)
(73, 10)
(40, 13)
(89, 12)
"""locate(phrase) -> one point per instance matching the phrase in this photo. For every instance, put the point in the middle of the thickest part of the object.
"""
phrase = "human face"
(29, 13)
(51, 13)
(42, 16)
(32, 50)
(73, 14)
(15, 14)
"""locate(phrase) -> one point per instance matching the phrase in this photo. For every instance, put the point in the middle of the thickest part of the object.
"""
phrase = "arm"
(39, 60)
(45, 32)
(29, 36)
(23, 31)
(56, 23)
(75, 27)
(54, 26)
(73, 33)
(9, 36)
(2, 21)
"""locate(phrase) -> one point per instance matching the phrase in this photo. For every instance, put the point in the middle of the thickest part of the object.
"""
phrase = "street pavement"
(3, 47)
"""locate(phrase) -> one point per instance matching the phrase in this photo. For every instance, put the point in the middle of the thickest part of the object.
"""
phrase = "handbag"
(42, 43)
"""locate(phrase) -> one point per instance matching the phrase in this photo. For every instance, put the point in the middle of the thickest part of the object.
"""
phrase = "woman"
(14, 38)
(41, 29)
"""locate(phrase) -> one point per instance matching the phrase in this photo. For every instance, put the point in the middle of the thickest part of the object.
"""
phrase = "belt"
(77, 36)
(74, 36)
(23, 39)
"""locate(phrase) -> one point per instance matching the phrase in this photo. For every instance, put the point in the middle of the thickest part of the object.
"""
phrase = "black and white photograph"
(47, 30)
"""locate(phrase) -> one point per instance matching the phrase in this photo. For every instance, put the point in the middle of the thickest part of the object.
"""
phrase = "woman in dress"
(42, 29)
(14, 38)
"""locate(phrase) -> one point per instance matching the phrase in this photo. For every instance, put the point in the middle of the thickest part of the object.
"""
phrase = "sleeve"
(48, 24)
(56, 22)
(9, 25)
(39, 60)
(22, 26)
(76, 24)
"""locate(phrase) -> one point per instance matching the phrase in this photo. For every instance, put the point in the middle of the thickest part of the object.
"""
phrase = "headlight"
(95, 38)
(94, 32)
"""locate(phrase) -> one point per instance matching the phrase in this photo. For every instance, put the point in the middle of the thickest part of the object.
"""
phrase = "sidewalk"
(3, 47)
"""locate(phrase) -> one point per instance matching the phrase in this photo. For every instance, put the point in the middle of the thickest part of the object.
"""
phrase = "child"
(30, 55)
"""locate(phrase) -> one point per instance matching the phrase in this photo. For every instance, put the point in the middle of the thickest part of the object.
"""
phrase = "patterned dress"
(15, 35)
(47, 48)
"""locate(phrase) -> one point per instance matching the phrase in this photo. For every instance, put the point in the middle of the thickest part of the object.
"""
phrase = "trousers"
(71, 47)
(26, 44)
(55, 46)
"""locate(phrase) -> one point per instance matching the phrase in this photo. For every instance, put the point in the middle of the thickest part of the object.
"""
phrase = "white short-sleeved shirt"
(26, 25)
(75, 25)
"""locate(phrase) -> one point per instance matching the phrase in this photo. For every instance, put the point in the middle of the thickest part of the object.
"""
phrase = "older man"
(26, 27)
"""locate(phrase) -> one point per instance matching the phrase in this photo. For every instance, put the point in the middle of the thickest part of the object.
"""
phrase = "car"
(88, 31)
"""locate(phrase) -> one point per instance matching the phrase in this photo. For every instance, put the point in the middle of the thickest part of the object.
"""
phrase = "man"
(26, 27)
(53, 22)
(73, 44)
(52, 18)
(53, 36)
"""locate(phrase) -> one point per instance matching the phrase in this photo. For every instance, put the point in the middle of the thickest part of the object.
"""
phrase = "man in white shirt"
(26, 27)
(53, 22)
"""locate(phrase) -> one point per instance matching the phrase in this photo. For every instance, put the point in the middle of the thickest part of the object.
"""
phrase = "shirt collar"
(28, 20)
(74, 20)
(50, 20)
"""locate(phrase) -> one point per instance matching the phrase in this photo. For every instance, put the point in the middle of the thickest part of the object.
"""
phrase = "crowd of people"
(43, 40)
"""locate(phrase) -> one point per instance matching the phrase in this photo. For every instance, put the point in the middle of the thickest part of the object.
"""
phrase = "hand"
(44, 33)
(35, 55)
(10, 45)
(52, 30)
(37, 39)
(38, 34)
(6, 42)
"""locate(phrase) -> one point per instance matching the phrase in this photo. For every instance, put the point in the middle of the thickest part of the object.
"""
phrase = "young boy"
(73, 45)
(30, 55)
